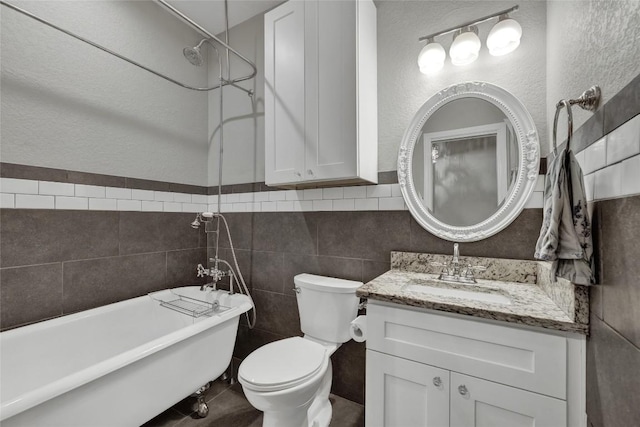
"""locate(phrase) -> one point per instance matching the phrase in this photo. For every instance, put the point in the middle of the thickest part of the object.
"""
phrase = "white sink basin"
(459, 293)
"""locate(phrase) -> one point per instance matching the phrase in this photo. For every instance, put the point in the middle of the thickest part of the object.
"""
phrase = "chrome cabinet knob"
(437, 381)
(463, 390)
(310, 172)
(298, 174)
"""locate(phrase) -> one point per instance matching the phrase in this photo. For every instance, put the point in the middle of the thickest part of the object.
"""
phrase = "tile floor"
(229, 408)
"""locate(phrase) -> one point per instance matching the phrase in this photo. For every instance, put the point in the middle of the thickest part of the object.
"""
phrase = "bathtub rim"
(32, 398)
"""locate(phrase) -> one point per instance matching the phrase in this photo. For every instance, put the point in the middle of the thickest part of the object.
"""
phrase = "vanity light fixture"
(465, 47)
(503, 38)
(431, 58)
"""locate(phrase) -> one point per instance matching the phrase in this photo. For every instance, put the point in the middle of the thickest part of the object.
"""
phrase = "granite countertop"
(529, 303)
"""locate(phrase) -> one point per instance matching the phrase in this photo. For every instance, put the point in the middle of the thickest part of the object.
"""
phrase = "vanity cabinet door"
(481, 403)
(284, 75)
(402, 393)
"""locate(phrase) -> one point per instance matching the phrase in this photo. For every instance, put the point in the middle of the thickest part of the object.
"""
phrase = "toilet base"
(315, 413)
(319, 414)
(296, 417)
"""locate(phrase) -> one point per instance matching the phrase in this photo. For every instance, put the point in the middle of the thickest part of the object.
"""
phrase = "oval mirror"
(468, 161)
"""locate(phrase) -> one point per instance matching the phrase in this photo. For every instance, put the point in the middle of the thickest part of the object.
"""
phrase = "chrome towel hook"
(589, 100)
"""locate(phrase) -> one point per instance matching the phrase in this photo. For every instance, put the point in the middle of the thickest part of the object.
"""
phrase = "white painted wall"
(68, 105)
(243, 129)
(589, 42)
(402, 89)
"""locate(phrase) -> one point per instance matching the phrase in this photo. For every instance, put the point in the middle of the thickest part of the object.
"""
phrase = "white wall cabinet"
(321, 93)
(426, 368)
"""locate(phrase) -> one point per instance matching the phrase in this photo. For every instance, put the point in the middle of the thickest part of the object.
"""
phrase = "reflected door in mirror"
(465, 178)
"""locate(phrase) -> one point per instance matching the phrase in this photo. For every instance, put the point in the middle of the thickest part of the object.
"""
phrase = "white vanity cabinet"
(429, 368)
(321, 92)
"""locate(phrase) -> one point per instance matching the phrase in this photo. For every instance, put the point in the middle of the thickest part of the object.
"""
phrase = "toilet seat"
(282, 364)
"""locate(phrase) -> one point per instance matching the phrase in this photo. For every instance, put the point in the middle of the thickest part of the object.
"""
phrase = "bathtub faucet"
(215, 273)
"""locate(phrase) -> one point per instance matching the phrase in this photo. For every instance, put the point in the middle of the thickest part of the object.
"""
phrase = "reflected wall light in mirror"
(503, 38)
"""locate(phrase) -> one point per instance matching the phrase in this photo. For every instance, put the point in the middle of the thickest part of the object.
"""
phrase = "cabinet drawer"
(521, 358)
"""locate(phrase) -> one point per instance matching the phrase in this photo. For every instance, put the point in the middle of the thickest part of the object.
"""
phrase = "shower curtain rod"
(132, 62)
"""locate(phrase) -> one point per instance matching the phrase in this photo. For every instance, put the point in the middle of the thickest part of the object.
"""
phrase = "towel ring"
(589, 101)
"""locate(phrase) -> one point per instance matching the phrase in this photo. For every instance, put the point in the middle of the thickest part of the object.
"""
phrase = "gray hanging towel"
(565, 237)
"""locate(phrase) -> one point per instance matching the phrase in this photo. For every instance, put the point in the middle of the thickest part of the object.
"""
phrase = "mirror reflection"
(465, 161)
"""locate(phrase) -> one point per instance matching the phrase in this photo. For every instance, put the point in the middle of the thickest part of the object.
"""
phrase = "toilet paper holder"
(358, 329)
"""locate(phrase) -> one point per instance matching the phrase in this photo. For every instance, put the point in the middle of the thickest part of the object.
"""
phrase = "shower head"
(193, 55)
(196, 222)
(200, 218)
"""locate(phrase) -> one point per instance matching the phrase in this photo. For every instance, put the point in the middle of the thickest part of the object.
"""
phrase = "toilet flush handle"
(297, 290)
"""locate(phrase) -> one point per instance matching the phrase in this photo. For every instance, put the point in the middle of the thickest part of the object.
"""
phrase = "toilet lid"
(282, 364)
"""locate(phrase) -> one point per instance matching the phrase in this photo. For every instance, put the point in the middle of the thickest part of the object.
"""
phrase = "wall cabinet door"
(321, 92)
(284, 75)
(402, 393)
(331, 105)
(481, 403)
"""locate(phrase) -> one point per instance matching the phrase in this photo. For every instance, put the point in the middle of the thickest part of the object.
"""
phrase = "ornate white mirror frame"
(528, 164)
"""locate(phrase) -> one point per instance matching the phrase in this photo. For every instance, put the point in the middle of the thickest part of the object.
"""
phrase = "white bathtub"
(117, 365)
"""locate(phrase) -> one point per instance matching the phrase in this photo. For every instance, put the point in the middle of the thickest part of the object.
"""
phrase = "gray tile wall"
(55, 262)
(613, 347)
(273, 247)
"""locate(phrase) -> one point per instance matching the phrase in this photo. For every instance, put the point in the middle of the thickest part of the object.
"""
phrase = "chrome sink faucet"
(454, 271)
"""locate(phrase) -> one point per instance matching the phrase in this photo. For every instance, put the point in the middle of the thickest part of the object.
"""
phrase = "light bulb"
(504, 37)
(431, 58)
(465, 47)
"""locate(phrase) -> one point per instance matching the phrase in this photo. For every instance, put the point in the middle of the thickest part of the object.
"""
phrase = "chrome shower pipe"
(226, 36)
(194, 56)
(137, 64)
(220, 152)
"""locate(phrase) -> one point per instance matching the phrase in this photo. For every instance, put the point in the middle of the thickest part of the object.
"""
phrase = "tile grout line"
(31, 265)
(618, 334)
(62, 287)
(119, 233)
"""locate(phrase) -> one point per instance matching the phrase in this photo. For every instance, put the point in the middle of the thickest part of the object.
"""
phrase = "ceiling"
(210, 13)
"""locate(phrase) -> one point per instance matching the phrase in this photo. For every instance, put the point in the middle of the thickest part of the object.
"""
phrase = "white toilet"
(289, 380)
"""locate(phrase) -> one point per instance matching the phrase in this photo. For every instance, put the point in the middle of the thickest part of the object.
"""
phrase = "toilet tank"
(326, 306)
